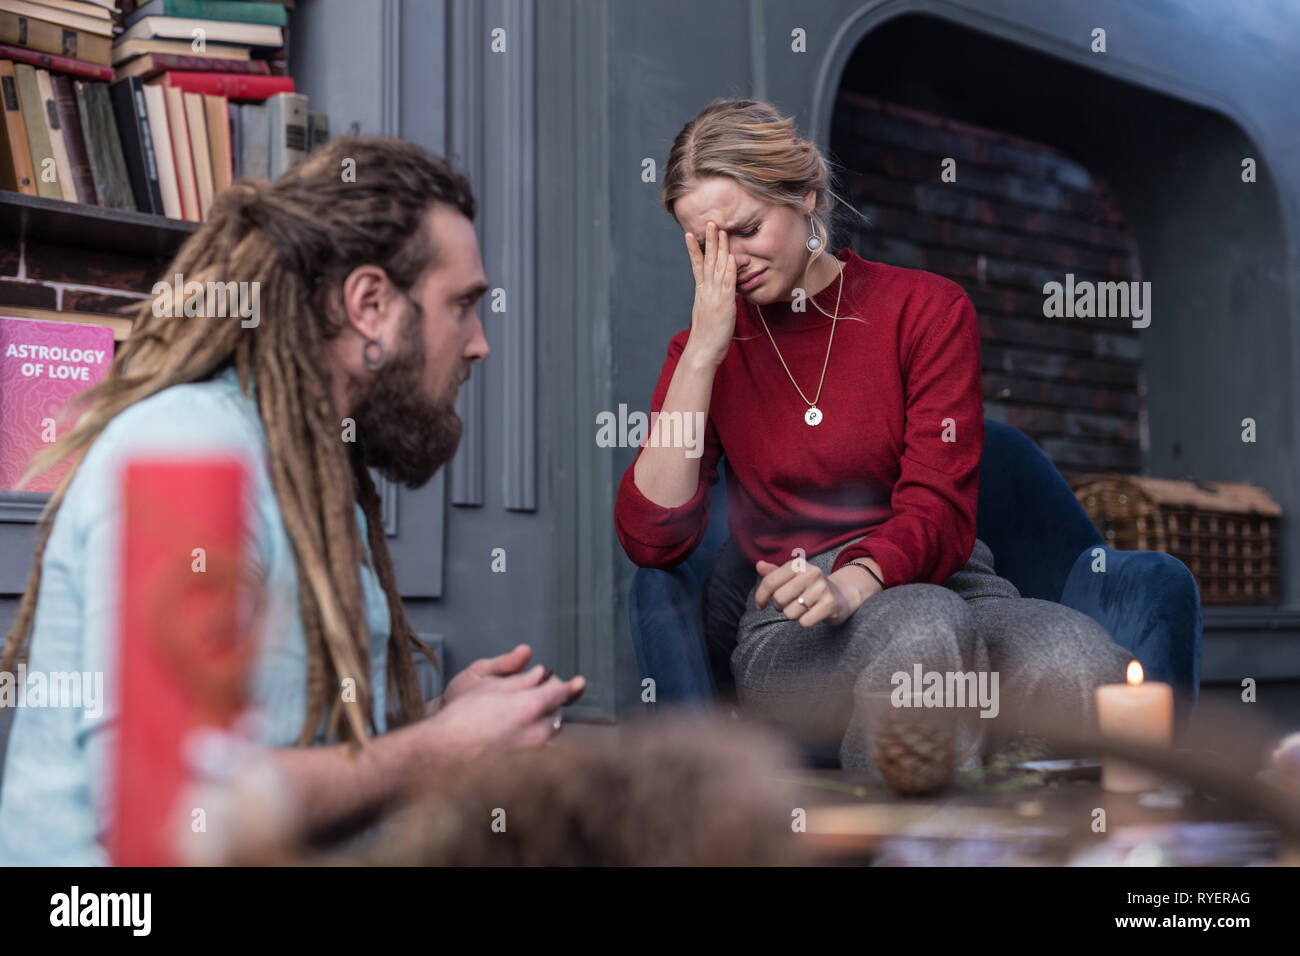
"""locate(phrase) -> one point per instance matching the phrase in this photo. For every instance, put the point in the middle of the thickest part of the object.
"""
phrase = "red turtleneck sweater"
(897, 451)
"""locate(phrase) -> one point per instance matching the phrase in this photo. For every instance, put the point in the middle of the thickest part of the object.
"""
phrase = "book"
(184, 157)
(125, 50)
(54, 62)
(38, 133)
(215, 31)
(156, 106)
(240, 10)
(254, 145)
(65, 101)
(286, 125)
(218, 116)
(58, 148)
(235, 86)
(22, 31)
(236, 140)
(318, 129)
(149, 65)
(36, 385)
(86, 7)
(15, 157)
(187, 643)
(75, 21)
(197, 121)
(107, 165)
(132, 118)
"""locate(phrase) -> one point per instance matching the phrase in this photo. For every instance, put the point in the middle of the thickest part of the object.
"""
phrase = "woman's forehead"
(717, 198)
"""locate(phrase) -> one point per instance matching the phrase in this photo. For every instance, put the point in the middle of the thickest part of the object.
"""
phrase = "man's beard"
(405, 436)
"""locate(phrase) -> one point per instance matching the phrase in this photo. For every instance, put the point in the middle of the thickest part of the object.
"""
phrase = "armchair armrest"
(1150, 604)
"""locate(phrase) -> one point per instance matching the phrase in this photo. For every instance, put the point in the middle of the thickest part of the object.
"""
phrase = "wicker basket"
(1226, 532)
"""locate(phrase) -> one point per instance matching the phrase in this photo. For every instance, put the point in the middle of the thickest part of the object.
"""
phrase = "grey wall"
(422, 70)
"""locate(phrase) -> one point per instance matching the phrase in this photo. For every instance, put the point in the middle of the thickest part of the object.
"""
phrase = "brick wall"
(1018, 216)
(37, 275)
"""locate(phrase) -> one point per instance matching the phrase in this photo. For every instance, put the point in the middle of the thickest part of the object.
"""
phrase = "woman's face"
(767, 240)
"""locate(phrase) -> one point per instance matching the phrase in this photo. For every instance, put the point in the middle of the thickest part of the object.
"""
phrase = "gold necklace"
(814, 414)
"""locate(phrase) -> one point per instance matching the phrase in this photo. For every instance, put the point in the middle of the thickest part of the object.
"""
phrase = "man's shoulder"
(211, 412)
(195, 418)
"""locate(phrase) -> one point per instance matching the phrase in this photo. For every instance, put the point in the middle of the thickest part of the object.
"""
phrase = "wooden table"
(1017, 817)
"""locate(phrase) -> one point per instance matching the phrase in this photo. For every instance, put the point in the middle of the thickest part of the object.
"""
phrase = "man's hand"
(832, 598)
(511, 662)
(489, 712)
(505, 713)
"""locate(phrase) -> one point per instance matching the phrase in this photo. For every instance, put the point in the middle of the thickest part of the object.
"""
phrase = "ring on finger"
(558, 722)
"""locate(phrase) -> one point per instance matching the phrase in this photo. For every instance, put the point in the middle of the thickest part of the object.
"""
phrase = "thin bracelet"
(867, 568)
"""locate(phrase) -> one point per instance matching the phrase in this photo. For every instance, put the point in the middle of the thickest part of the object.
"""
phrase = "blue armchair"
(1042, 541)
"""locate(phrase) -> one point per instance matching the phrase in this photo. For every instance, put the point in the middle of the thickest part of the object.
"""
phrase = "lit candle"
(1135, 711)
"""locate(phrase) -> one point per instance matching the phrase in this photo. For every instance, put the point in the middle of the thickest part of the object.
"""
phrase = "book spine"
(100, 132)
(38, 133)
(196, 117)
(62, 18)
(318, 129)
(255, 36)
(254, 148)
(17, 170)
(180, 134)
(218, 118)
(120, 196)
(155, 102)
(271, 14)
(93, 151)
(137, 144)
(155, 63)
(287, 131)
(58, 147)
(25, 31)
(236, 142)
(53, 62)
(65, 101)
(236, 86)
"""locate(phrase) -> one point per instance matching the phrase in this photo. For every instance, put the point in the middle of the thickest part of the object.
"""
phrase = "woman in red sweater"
(846, 397)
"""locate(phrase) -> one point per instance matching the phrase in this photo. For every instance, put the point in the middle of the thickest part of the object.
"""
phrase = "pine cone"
(915, 749)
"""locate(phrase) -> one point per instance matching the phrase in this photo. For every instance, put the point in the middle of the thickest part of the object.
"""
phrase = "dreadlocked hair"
(297, 238)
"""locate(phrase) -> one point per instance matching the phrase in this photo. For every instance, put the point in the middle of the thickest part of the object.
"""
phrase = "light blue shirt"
(56, 799)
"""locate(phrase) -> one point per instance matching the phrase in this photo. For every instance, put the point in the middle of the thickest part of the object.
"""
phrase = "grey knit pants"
(824, 684)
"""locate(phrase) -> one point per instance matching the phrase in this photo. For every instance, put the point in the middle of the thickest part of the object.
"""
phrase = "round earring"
(814, 242)
(374, 364)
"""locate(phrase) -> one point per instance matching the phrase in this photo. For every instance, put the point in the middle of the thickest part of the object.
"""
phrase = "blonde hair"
(750, 142)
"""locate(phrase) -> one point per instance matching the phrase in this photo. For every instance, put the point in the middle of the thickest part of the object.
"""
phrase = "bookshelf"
(53, 249)
(58, 222)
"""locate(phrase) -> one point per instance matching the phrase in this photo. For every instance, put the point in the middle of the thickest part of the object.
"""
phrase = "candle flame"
(1134, 673)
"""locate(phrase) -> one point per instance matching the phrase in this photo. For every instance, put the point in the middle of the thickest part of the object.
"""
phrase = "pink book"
(42, 366)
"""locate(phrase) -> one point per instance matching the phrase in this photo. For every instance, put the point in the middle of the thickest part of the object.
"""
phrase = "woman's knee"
(1064, 640)
(915, 624)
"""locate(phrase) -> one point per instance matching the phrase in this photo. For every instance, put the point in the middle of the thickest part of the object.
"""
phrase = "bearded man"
(365, 328)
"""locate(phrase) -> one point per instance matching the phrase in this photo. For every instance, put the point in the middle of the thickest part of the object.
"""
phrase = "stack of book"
(196, 96)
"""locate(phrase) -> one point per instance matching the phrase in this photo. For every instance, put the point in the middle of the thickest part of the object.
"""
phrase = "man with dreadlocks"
(368, 271)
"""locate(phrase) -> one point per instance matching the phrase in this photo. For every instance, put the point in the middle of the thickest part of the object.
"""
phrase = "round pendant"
(813, 416)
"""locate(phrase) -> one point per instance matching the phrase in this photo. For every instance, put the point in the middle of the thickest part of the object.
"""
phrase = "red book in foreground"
(236, 86)
(185, 642)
